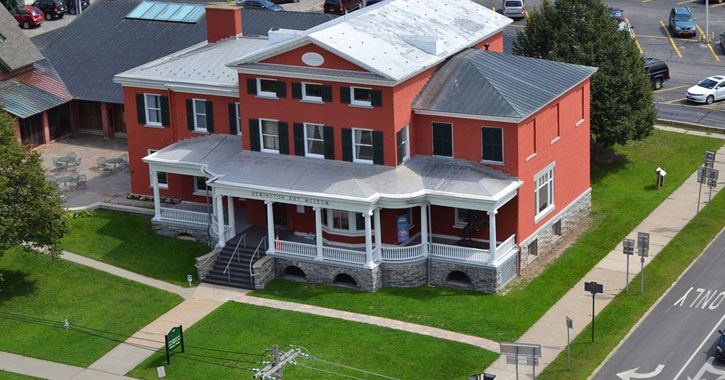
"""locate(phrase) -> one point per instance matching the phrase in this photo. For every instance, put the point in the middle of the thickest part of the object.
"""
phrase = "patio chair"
(59, 166)
(81, 181)
(75, 177)
(71, 154)
(101, 162)
(124, 165)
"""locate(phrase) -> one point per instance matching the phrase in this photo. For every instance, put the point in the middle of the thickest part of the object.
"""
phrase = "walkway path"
(45, 369)
(662, 224)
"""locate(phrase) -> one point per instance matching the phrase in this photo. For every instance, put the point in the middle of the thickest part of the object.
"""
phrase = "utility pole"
(274, 370)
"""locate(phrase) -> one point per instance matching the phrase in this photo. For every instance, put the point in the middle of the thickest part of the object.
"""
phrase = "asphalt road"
(676, 341)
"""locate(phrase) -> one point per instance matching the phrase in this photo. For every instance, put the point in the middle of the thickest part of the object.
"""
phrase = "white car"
(708, 90)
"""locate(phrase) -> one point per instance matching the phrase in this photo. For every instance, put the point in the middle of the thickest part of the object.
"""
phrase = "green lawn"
(127, 241)
(613, 323)
(44, 287)
(15, 376)
(247, 328)
(623, 194)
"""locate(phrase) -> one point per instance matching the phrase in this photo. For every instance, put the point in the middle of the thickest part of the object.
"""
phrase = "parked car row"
(27, 16)
(41, 10)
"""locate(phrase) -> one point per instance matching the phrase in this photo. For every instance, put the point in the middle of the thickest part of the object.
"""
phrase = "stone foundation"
(173, 230)
(263, 272)
(545, 236)
(483, 279)
(205, 263)
(405, 275)
(369, 280)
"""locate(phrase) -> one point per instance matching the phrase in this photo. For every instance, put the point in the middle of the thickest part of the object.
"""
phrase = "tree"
(30, 207)
(582, 32)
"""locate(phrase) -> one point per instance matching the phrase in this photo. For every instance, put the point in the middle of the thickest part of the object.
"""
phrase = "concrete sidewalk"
(45, 369)
(669, 218)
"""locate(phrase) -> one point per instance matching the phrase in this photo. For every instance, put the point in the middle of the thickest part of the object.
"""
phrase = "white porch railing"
(343, 255)
(455, 252)
(184, 216)
(506, 246)
(394, 253)
(227, 231)
(293, 248)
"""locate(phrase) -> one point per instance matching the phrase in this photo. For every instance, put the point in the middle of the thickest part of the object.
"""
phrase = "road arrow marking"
(708, 368)
(632, 373)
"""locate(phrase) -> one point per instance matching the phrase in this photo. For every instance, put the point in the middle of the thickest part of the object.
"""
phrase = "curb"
(691, 125)
(115, 207)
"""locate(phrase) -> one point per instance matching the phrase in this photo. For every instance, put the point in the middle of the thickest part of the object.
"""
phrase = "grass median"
(254, 329)
(615, 321)
(623, 194)
(127, 241)
(46, 291)
(16, 376)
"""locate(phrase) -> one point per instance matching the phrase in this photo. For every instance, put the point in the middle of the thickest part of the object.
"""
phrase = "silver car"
(708, 90)
(513, 8)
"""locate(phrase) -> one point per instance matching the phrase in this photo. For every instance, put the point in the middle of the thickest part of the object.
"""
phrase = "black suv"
(340, 7)
(51, 8)
(657, 71)
(70, 5)
(720, 349)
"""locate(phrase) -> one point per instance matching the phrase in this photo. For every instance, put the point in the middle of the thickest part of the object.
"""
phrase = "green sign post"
(174, 339)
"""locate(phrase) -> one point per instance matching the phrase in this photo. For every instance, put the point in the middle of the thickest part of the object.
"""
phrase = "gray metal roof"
(34, 91)
(497, 85)
(16, 51)
(223, 155)
(257, 22)
(102, 42)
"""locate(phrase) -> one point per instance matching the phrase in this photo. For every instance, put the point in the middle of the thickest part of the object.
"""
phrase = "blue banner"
(403, 233)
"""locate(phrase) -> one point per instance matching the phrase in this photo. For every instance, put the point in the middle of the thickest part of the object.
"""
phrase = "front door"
(280, 215)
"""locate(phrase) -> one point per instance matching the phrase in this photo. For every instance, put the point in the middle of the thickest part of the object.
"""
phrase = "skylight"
(165, 11)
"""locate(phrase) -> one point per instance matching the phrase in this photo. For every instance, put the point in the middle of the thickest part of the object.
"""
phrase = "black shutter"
(329, 136)
(254, 134)
(140, 108)
(399, 142)
(233, 119)
(443, 139)
(209, 117)
(378, 158)
(190, 114)
(299, 136)
(283, 130)
(376, 98)
(326, 93)
(345, 95)
(281, 89)
(296, 90)
(165, 117)
(251, 86)
(347, 144)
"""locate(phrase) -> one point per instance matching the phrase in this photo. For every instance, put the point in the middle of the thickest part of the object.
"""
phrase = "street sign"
(569, 325)
(709, 158)
(521, 353)
(174, 339)
(643, 243)
(628, 246)
(189, 278)
(593, 287)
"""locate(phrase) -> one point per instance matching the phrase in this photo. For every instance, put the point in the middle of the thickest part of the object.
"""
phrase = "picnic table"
(114, 161)
(67, 160)
(64, 180)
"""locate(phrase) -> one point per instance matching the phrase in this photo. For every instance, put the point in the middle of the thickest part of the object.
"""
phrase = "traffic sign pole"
(641, 277)
(593, 316)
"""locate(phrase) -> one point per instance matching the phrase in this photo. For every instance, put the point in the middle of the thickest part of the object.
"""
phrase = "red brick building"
(397, 146)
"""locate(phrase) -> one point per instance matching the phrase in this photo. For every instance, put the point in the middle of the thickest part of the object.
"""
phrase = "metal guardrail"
(251, 260)
(236, 249)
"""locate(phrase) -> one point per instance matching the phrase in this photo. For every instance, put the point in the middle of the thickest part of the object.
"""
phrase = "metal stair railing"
(251, 261)
(236, 249)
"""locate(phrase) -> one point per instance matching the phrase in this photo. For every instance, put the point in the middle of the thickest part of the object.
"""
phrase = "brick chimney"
(223, 21)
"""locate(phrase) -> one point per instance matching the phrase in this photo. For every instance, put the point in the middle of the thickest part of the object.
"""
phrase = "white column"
(270, 225)
(220, 219)
(424, 228)
(378, 235)
(318, 232)
(492, 235)
(368, 240)
(230, 211)
(157, 197)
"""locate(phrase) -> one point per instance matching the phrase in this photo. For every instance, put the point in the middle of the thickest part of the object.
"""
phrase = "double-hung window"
(463, 216)
(544, 188)
(269, 135)
(362, 140)
(153, 109)
(200, 115)
(314, 140)
(200, 186)
(312, 92)
(347, 222)
(492, 145)
(266, 88)
(361, 96)
(161, 176)
(401, 138)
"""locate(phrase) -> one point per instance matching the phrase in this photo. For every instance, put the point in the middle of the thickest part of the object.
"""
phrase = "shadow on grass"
(15, 284)
(605, 162)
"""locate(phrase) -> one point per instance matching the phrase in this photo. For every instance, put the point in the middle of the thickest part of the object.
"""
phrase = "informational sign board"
(593, 287)
(628, 246)
(174, 339)
(643, 243)
(403, 229)
(521, 353)
(161, 371)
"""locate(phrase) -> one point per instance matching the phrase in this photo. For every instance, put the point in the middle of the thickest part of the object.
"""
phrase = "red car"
(28, 16)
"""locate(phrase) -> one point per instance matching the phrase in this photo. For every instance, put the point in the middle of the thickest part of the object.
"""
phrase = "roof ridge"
(493, 86)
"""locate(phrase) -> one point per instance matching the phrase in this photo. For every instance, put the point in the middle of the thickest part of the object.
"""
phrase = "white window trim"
(312, 99)
(352, 223)
(261, 137)
(239, 119)
(539, 215)
(198, 191)
(162, 186)
(313, 155)
(491, 162)
(194, 111)
(432, 141)
(354, 151)
(147, 109)
(265, 94)
(360, 103)
(407, 144)
(456, 223)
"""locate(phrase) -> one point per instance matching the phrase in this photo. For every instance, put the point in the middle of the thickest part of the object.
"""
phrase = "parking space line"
(685, 2)
(717, 5)
(527, 15)
(670, 37)
(518, 26)
(708, 44)
(663, 37)
(676, 100)
(670, 89)
(312, 6)
(646, 1)
(493, 9)
(634, 35)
